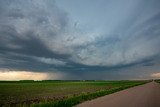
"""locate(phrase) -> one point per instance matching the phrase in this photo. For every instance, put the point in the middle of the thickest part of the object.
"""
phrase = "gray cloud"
(40, 36)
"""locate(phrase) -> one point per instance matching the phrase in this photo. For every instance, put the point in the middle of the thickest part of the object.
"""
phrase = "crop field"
(57, 93)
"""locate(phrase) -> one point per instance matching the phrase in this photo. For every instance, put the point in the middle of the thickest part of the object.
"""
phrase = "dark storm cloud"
(28, 43)
(37, 35)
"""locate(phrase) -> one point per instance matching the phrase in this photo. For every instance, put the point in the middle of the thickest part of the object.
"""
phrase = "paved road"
(147, 95)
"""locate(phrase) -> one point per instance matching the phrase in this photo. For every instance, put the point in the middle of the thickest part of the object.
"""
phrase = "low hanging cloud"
(40, 36)
(50, 61)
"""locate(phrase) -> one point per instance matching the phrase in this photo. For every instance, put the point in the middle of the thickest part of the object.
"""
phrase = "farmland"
(39, 93)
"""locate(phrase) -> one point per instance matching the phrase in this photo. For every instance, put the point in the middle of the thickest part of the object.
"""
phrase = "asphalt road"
(147, 95)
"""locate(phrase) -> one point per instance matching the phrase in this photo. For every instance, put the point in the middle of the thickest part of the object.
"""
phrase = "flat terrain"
(29, 92)
(147, 95)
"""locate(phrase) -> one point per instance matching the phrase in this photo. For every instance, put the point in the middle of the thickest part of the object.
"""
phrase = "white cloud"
(50, 61)
(155, 75)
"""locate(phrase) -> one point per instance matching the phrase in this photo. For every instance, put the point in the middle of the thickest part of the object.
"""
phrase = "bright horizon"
(79, 39)
(29, 75)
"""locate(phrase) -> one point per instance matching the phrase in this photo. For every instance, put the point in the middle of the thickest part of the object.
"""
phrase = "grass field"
(157, 80)
(57, 93)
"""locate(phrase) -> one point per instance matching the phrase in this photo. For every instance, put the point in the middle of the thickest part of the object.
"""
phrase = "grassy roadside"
(157, 80)
(74, 100)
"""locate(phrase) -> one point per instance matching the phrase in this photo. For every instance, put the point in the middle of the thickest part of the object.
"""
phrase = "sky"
(79, 39)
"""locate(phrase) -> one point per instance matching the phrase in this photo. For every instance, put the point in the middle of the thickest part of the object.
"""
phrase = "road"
(147, 95)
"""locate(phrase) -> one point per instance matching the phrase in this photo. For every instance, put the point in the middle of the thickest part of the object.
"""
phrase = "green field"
(57, 93)
(158, 80)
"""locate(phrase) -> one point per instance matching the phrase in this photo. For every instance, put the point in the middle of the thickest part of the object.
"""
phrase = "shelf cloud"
(85, 39)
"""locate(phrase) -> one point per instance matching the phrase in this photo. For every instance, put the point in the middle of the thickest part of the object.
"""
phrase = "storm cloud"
(85, 39)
